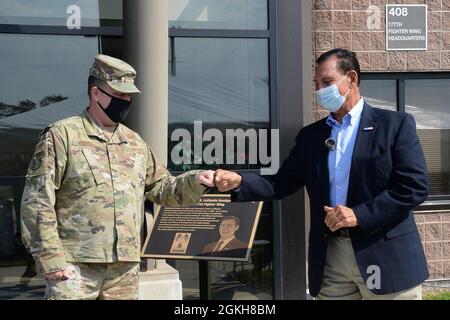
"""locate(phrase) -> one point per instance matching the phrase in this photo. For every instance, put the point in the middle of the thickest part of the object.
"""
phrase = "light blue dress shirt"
(340, 160)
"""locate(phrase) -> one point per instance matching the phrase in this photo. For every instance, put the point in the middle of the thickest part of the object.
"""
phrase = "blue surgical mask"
(330, 98)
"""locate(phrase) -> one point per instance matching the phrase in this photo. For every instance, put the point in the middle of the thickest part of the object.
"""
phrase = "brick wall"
(343, 23)
(434, 230)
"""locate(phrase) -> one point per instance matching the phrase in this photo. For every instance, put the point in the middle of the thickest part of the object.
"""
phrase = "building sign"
(213, 229)
(406, 27)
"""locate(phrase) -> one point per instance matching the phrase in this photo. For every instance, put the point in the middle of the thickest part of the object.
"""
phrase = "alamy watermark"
(74, 19)
(374, 18)
(374, 280)
(222, 148)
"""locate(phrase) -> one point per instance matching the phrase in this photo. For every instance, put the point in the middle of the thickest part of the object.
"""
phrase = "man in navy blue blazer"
(365, 172)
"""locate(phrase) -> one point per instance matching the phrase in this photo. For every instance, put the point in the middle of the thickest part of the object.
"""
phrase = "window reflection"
(43, 80)
(93, 13)
(18, 277)
(112, 46)
(218, 14)
(222, 82)
(380, 93)
(247, 280)
(189, 275)
(427, 100)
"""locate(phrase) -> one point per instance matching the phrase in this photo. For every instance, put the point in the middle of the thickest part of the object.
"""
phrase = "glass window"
(380, 93)
(222, 82)
(252, 280)
(218, 14)
(44, 79)
(112, 46)
(189, 275)
(427, 100)
(248, 280)
(93, 13)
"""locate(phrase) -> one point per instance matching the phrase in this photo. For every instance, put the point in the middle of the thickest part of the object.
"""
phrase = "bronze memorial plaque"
(213, 229)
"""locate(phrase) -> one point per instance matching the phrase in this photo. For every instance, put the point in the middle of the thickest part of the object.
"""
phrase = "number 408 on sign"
(398, 12)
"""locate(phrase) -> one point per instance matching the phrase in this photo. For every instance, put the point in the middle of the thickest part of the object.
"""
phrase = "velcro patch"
(36, 161)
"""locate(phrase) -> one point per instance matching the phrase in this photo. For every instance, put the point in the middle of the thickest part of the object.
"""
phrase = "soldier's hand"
(206, 178)
(227, 180)
(58, 275)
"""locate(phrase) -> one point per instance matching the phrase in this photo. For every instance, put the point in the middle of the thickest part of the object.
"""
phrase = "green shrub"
(437, 296)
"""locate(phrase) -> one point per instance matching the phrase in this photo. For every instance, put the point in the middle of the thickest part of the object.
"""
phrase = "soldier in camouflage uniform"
(83, 199)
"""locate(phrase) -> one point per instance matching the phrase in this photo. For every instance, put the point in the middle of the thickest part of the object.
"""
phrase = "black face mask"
(117, 109)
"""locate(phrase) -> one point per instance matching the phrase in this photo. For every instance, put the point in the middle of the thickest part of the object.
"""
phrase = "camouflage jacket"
(83, 198)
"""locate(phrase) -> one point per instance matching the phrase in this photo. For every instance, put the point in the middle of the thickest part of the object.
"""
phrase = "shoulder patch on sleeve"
(36, 161)
(39, 159)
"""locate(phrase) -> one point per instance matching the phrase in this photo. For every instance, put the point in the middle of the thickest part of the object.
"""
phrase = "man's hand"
(206, 178)
(58, 275)
(340, 217)
(227, 180)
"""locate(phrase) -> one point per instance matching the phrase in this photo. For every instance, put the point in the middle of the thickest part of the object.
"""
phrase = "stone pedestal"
(162, 283)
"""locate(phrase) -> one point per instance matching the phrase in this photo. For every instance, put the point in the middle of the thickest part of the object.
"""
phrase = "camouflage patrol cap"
(117, 73)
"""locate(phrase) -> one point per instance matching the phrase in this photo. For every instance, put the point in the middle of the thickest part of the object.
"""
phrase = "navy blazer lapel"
(366, 131)
(321, 158)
